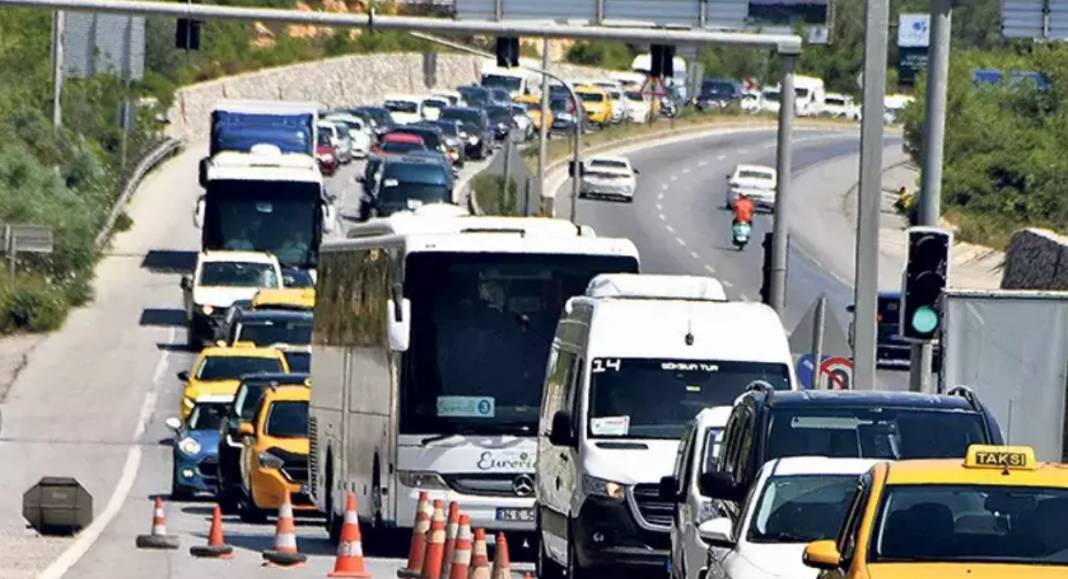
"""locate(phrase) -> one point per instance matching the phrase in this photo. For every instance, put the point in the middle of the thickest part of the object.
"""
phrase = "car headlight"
(421, 480)
(189, 446)
(189, 403)
(207, 309)
(268, 460)
(473, 140)
(603, 488)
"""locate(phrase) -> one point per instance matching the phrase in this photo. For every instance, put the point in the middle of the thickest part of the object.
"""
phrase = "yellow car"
(275, 453)
(218, 371)
(999, 513)
(533, 105)
(596, 103)
(302, 299)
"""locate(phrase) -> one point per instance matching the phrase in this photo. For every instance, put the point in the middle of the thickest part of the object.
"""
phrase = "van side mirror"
(669, 489)
(822, 555)
(186, 283)
(202, 172)
(173, 423)
(399, 327)
(720, 485)
(561, 433)
(198, 213)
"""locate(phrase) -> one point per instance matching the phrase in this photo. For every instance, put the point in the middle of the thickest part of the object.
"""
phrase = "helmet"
(742, 196)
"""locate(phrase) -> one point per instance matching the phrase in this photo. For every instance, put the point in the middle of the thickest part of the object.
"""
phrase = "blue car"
(196, 447)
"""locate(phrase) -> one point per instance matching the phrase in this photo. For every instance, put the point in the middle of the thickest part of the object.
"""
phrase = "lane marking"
(659, 206)
(743, 151)
(662, 218)
(663, 186)
(726, 283)
(681, 241)
(669, 228)
(702, 163)
(720, 157)
(674, 178)
(659, 196)
(711, 269)
(745, 297)
(84, 541)
(694, 255)
(686, 171)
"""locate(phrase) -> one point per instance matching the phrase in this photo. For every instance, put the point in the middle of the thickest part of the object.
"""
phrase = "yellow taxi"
(275, 453)
(999, 513)
(533, 105)
(218, 371)
(596, 103)
(301, 299)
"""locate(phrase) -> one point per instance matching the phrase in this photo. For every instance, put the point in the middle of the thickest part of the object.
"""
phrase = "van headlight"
(207, 309)
(422, 480)
(189, 446)
(473, 140)
(592, 485)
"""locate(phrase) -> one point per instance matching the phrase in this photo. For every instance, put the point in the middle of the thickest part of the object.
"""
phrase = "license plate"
(515, 515)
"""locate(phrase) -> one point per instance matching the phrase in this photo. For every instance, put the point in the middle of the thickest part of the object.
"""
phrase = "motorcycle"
(740, 234)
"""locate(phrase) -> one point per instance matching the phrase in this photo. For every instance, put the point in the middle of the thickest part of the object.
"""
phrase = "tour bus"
(431, 332)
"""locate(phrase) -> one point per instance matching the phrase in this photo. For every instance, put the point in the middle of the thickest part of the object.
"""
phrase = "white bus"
(431, 336)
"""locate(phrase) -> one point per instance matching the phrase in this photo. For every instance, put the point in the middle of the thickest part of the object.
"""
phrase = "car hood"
(963, 571)
(198, 388)
(775, 561)
(222, 297)
(628, 461)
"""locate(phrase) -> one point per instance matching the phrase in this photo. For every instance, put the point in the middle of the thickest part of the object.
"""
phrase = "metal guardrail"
(165, 149)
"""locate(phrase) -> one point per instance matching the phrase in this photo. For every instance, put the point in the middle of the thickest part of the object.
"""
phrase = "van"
(632, 362)
(810, 93)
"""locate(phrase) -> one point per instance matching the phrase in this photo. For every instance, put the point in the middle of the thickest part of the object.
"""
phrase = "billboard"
(97, 43)
(913, 38)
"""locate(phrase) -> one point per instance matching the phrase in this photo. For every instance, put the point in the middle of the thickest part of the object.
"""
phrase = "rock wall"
(1036, 259)
(342, 81)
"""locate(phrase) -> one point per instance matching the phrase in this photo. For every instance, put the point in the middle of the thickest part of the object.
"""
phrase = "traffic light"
(507, 51)
(926, 277)
(187, 34)
(662, 61)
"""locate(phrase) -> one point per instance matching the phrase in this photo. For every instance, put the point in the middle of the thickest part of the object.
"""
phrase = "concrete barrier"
(1036, 259)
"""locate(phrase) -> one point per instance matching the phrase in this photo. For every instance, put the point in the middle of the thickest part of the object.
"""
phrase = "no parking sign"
(836, 373)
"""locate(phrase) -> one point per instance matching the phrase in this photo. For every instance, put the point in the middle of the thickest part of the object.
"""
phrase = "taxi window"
(972, 523)
(288, 419)
(233, 367)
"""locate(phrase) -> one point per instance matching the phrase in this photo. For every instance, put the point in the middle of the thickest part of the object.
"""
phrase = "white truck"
(431, 335)
(1011, 348)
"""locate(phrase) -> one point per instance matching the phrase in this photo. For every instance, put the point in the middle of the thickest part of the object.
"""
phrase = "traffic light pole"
(783, 163)
(934, 126)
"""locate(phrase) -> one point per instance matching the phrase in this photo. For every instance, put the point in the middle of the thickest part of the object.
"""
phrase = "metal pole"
(507, 171)
(934, 132)
(783, 163)
(866, 285)
(543, 130)
(58, 24)
(576, 155)
(817, 339)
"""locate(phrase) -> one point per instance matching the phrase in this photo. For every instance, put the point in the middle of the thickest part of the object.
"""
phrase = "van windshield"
(649, 398)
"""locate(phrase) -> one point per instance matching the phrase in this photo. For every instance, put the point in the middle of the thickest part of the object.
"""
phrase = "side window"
(727, 454)
(571, 398)
(681, 457)
(847, 539)
(687, 464)
(745, 444)
(557, 385)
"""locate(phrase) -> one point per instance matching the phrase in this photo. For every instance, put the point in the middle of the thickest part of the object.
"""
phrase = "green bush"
(489, 190)
(33, 305)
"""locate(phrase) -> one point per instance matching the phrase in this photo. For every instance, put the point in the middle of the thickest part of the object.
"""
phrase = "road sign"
(805, 369)
(30, 239)
(838, 371)
(654, 87)
(104, 43)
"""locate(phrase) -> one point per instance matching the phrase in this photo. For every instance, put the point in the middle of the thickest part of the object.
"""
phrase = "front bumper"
(197, 473)
(606, 535)
(483, 509)
(268, 490)
(592, 190)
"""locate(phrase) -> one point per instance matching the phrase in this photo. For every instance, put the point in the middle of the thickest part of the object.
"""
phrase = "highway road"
(93, 399)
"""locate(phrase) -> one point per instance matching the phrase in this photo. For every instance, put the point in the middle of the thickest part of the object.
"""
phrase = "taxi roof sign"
(1001, 457)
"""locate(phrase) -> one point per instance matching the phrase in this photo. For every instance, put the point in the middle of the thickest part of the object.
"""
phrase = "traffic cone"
(158, 538)
(216, 547)
(417, 551)
(501, 562)
(285, 553)
(480, 568)
(452, 524)
(435, 543)
(461, 558)
(349, 561)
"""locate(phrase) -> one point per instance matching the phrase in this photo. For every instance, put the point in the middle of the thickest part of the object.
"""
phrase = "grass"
(489, 189)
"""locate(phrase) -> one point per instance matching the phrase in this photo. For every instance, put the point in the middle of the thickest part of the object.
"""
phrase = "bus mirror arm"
(399, 324)
(198, 213)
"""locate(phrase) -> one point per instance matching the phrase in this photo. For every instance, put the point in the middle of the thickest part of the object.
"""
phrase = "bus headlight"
(207, 309)
(603, 488)
(422, 480)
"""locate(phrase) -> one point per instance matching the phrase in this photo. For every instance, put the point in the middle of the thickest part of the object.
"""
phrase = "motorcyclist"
(743, 209)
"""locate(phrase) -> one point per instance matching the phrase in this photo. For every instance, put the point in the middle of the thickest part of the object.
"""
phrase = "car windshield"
(771, 95)
(801, 508)
(288, 419)
(474, 96)
(234, 367)
(713, 440)
(239, 274)
(499, 114)
(972, 524)
(508, 83)
(482, 326)
(467, 116)
(609, 165)
(634, 95)
(267, 332)
(591, 97)
(399, 195)
(248, 398)
(402, 106)
(324, 136)
(649, 398)
(207, 415)
(866, 432)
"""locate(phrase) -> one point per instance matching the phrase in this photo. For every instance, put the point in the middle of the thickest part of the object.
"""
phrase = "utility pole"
(934, 133)
(866, 284)
(58, 24)
(576, 156)
(783, 164)
(543, 130)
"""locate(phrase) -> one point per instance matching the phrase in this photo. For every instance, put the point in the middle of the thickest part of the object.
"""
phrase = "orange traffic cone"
(350, 548)
(452, 524)
(285, 553)
(435, 543)
(501, 562)
(158, 538)
(461, 557)
(216, 547)
(480, 568)
(417, 551)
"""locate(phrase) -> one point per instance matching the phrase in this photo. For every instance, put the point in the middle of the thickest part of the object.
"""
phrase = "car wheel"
(546, 568)
(574, 570)
(228, 500)
(248, 512)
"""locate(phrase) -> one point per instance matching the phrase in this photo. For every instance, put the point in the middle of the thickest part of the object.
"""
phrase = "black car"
(241, 411)
(454, 136)
(267, 327)
(379, 118)
(500, 96)
(475, 96)
(501, 120)
(476, 124)
(718, 94)
(766, 424)
(406, 183)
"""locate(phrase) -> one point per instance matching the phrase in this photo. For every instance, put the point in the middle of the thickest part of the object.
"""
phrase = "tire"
(248, 512)
(546, 568)
(229, 501)
(574, 570)
(192, 339)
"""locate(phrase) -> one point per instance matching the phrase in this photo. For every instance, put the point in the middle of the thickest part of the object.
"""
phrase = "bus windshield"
(278, 217)
(482, 325)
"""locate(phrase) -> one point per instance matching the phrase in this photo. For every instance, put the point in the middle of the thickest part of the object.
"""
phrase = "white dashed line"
(669, 228)
(664, 186)
(662, 218)
(743, 151)
(686, 171)
(726, 283)
(659, 207)
(681, 241)
(720, 157)
(702, 163)
(659, 196)
(711, 269)
(694, 255)
(674, 178)
(745, 298)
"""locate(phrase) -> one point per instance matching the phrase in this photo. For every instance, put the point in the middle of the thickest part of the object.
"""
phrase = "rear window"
(233, 367)
(207, 416)
(282, 331)
(288, 419)
(429, 173)
(603, 164)
(591, 97)
(401, 148)
(402, 106)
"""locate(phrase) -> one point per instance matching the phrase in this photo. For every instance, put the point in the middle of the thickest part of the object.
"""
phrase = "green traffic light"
(924, 320)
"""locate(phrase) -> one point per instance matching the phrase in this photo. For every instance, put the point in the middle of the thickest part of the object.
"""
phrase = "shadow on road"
(167, 317)
(170, 261)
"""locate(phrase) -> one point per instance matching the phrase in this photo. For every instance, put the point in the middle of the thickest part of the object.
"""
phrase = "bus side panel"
(328, 375)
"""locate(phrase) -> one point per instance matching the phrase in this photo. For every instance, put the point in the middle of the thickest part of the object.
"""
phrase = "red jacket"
(743, 210)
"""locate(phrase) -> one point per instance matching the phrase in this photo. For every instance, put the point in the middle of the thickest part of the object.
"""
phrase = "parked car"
(840, 106)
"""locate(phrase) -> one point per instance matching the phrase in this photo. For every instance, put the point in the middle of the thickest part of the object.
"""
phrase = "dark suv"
(767, 424)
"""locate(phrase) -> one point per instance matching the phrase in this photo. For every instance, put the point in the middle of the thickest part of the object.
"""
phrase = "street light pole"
(783, 162)
(58, 24)
(543, 130)
(866, 283)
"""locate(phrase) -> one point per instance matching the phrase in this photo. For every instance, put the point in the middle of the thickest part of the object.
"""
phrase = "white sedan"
(795, 500)
(756, 182)
(606, 177)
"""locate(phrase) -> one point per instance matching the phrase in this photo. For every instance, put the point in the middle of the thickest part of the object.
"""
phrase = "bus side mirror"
(669, 489)
(561, 433)
(329, 218)
(198, 214)
(202, 172)
(399, 327)
(718, 485)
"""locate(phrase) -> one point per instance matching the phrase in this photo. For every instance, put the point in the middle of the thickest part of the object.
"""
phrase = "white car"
(840, 106)
(523, 124)
(698, 449)
(431, 107)
(405, 109)
(359, 132)
(752, 101)
(795, 501)
(638, 107)
(757, 182)
(220, 279)
(339, 138)
(609, 178)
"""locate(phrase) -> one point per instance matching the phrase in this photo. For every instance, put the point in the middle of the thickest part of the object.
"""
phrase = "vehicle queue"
(622, 420)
